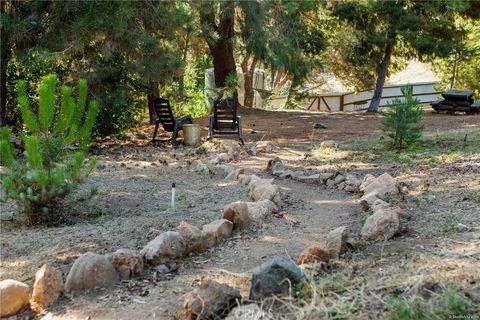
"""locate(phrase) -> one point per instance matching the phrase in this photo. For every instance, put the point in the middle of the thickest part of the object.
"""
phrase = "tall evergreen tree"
(383, 30)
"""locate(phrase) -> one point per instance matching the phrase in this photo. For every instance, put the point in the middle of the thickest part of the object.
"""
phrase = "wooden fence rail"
(351, 101)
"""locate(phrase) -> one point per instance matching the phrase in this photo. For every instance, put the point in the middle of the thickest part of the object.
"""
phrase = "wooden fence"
(351, 101)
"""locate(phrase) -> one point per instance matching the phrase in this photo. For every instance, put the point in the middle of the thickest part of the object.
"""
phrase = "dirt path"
(129, 209)
(130, 196)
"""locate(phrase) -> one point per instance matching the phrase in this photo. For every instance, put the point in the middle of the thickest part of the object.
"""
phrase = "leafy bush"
(55, 142)
(402, 121)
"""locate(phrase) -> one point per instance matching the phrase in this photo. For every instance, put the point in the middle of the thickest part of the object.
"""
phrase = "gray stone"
(232, 176)
(275, 166)
(331, 183)
(164, 248)
(339, 179)
(276, 276)
(324, 176)
(314, 178)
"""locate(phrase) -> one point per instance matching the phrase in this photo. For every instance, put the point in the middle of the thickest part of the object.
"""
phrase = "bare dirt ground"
(129, 206)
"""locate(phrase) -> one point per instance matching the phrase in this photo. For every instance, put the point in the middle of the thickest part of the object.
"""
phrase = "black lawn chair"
(224, 122)
(168, 121)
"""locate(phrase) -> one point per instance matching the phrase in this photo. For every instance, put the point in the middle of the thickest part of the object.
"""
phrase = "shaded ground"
(130, 207)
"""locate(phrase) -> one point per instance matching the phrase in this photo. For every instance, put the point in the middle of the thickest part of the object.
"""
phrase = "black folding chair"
(168, 121)
(224, 122)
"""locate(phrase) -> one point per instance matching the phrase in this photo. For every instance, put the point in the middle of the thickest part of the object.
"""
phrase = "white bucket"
(191, 134)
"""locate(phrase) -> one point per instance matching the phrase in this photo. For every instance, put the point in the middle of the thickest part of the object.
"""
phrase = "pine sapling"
(55, 140)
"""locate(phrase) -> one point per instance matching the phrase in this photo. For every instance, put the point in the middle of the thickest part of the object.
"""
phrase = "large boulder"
(217, 231)
(210, 300)
(164, 248)
(336, 242)
(276, 276)
(383, 224)
(47, 287)
(238, 213)
(91, 271)
(313, 254)
(193, 237)
(128, 263)
(13, 297)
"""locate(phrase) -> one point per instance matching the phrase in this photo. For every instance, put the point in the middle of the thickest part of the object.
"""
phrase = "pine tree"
(55, 141)
(377, 32)
(402, 120)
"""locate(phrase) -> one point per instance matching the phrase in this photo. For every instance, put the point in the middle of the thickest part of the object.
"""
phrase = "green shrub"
(55, 142)
(402, 121)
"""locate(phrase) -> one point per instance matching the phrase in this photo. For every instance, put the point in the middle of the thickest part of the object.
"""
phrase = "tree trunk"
(454, 72)
(248, 74)
(281, 84)
(221, 48)
(5, 56)
(154, 93)
(382, 75)
(181, 80)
